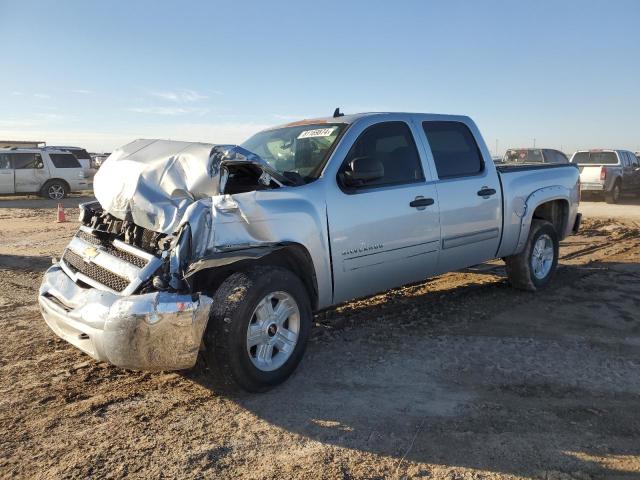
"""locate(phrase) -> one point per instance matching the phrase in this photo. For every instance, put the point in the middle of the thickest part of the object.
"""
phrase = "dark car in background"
(608, 172)
(534, 155)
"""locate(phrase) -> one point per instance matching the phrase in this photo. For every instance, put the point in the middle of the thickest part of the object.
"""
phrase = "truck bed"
(520, 167)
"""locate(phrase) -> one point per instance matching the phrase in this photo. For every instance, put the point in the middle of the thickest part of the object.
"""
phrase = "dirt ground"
(460, 377)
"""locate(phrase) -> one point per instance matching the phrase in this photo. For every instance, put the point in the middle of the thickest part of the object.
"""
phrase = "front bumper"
(153, 331)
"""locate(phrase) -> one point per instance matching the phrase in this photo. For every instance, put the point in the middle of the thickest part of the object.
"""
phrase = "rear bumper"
(592, 187)
(153, 331)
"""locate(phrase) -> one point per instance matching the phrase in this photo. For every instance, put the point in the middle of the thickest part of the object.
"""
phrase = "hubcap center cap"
(272, 329)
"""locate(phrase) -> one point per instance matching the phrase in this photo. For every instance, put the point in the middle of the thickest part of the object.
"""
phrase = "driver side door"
(385, 232)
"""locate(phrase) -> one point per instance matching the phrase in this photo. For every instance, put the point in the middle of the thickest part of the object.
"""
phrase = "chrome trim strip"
(468, 238)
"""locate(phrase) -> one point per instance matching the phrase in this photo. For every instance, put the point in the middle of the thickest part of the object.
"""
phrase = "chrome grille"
(95, 272)
(107, 264)
(126, 256)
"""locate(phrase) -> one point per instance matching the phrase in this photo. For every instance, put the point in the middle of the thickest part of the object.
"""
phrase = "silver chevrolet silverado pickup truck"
(226, 251)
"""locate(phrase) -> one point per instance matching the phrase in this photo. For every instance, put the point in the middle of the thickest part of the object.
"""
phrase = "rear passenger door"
(469, 194)
(383, 233)
(29, 171)
(6, 174)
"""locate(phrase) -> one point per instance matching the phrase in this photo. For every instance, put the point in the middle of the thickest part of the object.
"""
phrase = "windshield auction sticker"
(318, 132)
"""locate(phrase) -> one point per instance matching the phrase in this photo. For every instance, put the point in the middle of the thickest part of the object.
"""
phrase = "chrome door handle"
(421, 202)
(486, 192)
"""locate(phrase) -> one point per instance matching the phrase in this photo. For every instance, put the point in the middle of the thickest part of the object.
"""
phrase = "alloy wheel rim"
(56, 192)
(542, 256)
(273, 331)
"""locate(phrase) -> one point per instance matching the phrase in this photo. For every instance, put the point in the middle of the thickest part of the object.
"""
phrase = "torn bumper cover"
(154, 331)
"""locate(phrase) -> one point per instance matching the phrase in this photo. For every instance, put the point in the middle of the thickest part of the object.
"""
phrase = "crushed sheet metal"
(152, 331)
(222, 259)
(155, 181)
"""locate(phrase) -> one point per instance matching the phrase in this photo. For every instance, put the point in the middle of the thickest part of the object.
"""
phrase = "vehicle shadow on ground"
(32, 201)
(25, 263)
(478, 376)
(625, 199)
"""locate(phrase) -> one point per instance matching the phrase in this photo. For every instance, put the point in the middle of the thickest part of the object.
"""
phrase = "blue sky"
(99, 74)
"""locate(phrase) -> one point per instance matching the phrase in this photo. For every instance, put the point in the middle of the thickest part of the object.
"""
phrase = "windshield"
(301, 149)
(523, 156)
(595, 158)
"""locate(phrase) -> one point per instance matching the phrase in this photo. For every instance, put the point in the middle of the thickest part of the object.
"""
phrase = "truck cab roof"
(352, 118)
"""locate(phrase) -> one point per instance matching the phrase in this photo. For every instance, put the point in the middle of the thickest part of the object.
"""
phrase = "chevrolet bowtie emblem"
(89, 253)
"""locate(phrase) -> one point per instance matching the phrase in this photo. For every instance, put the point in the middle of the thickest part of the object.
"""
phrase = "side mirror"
(362, 170)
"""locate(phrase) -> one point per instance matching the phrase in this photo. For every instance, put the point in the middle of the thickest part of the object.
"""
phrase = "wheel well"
(293, 257)
(556, 212)
(66, 184)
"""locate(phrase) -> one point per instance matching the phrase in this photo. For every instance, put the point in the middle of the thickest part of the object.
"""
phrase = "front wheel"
(258, 328)
(534, 267)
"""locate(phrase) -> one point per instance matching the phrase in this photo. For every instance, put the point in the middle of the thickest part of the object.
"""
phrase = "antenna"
(337, 113)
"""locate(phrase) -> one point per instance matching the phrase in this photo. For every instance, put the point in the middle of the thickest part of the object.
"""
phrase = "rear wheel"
(613, 196)
(55, 190)
(534, 267)
(258, 328)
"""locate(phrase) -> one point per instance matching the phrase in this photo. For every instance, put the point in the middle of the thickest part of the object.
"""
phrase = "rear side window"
(595, 158)
(26, 161)
(5, 164)
(554, 156)
(391, 144)
(455, 151)
(81, 154)
(523, 156)
(64, 160)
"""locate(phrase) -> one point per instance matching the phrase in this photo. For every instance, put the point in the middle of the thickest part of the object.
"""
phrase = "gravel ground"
(460, 377)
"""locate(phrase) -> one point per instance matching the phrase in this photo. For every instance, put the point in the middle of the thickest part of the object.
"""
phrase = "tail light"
(603, 174)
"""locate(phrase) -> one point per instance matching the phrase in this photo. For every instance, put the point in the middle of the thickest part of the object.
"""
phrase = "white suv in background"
(50, 173)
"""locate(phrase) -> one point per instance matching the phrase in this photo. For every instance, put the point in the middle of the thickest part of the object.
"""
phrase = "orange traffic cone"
(61, 217)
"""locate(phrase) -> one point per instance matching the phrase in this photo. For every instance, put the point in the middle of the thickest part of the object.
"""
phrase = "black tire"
(519, 267)
(226, 353)
(55, 190)
(613, 196)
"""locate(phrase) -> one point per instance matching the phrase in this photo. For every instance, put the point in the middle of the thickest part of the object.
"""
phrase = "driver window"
(4, 162)
(388, 145)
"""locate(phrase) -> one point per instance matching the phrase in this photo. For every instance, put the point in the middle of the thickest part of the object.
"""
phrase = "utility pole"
(496, 147)
(534, 142)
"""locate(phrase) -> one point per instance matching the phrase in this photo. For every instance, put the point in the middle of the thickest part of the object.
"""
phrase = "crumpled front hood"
(152, 182)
